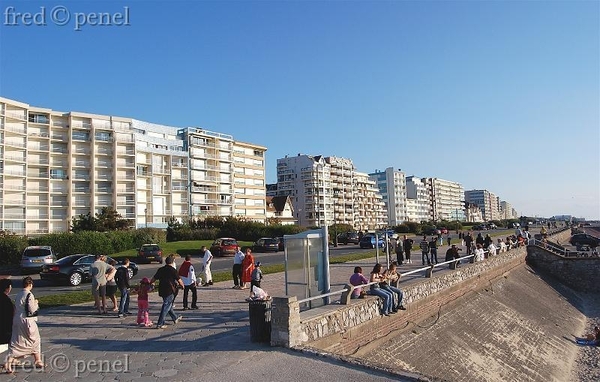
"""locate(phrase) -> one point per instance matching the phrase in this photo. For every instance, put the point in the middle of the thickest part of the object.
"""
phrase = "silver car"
(35, 257)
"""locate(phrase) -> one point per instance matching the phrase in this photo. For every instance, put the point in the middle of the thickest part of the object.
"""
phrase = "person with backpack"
(122, 280)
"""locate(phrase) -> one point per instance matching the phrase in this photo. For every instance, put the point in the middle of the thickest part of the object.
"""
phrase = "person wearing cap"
(452, 253)
(169, 281)
(256, 277)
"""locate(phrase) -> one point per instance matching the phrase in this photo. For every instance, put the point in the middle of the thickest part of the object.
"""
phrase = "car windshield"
(271, 241)
(229, 242)
(36, 252)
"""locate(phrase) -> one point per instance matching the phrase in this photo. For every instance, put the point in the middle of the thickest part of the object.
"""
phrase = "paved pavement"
(212, 343)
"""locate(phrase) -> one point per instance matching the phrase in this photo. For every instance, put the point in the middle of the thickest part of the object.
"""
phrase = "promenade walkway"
(212, 343)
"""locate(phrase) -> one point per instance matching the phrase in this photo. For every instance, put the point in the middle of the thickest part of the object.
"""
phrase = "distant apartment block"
(446, 199)
(486, 201)
(324, 190)
(506, 211)
(392, 187)
(55, 166)
(417, 200)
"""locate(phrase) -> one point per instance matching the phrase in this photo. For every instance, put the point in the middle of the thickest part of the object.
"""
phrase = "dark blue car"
(369, 241)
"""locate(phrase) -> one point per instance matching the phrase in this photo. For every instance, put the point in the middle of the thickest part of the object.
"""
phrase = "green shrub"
(11, 248)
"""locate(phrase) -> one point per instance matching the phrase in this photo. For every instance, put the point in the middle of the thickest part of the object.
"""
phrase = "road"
(45, 288)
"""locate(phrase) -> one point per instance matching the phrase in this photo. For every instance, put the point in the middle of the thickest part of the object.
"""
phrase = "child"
(256, 277)
(143, 289)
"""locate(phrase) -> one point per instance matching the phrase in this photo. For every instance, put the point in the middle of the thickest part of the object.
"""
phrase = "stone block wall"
(579, 273)
(422, 300)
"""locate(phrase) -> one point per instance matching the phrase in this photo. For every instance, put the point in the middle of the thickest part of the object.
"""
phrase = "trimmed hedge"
(67, 243)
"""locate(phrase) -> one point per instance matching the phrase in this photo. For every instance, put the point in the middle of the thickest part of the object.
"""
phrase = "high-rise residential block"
(392, 187)
(324, 190)
(55, 166)
(487, 202)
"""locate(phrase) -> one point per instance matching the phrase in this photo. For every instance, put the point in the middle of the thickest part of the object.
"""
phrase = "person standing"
(424, 245)
(206, 262)
(7, 312)
(433, 246)
(468, 238)
(257, 277)
(448, 239)
(99, 269)
(111, 286)
(25, 339)
(122, 280)
(400, 251)
(238, 259)
(407, 244)
(168, 282)
(247, 268)
(188, 276)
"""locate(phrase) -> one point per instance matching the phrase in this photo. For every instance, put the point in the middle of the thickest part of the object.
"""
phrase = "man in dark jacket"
(122, 280)
(407, 244)
(169, 280)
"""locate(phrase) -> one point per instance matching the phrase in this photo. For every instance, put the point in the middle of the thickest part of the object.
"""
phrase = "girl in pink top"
(143, 318)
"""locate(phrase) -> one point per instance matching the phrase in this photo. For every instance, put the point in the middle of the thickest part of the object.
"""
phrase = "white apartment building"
(487, 202)
(392, 187)
(55, 166)
(370, 212)
(447, 199)
(324, 190)
(418, 207)
(507, 211)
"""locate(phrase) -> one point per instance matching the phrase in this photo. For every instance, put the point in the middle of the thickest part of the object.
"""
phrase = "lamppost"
(146, 213)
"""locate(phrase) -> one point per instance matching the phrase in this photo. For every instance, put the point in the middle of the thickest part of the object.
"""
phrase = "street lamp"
(146, 213)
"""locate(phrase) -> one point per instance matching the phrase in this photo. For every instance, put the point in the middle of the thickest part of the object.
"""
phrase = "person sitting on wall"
(452, 253)
(358, 279)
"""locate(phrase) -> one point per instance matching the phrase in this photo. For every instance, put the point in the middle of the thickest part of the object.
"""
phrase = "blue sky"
(497, 95)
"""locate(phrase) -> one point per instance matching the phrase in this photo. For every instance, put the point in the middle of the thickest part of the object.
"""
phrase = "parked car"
(581, 239)
(348, 237)
(443, 230)
(480, 227)
(75, 269)
(149, 253)
(34, 257)
(224, 246)
(369, 241)
(266, 244)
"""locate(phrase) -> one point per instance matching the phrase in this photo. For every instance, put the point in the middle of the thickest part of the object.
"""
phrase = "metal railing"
(562, 251)
(427, 269)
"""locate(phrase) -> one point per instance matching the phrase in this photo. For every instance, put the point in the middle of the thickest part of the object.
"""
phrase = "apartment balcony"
(37, 217)
(121, 138)
(60, 150)
(206, 201)
(81, 190)
(59, 203)
(20, 115)
(58, 217)
(14, 144)
(59, 137)
(104, 190)
(103, 164)
(81, 176)
(127, 152)
(81, 151)
(43, 175)
(13, 129)
(104, 151)
(126, 190)
(81, 125)
(14, 158)
(178, 164)
(60, 124)
(14, 216)
(126, 202)
(81, 163)
(39, 135)
(178, 188)
(37, 203)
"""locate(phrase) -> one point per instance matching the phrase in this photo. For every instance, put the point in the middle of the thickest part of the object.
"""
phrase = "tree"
(83, 223)
(106, 220)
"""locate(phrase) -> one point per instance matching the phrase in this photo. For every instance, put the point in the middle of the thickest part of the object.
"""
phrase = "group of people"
(246, 271)
(383, 284)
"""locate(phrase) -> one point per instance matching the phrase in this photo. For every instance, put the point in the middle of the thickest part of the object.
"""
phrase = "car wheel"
(75, 278)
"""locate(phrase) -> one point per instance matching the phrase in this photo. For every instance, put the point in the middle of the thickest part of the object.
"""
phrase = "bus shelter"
(307, 266)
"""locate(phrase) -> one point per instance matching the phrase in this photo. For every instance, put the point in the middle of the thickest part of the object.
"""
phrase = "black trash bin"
(260, 320)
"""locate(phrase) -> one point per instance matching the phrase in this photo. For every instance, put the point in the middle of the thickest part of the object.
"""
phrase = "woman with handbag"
(25, 338)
